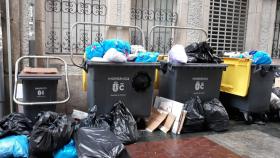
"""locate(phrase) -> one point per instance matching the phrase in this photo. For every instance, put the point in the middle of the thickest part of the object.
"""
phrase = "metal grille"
(227, 24)
(276, 41)
(61, 14)
(146, 14)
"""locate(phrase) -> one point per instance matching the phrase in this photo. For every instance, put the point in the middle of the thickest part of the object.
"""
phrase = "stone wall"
(260, 25)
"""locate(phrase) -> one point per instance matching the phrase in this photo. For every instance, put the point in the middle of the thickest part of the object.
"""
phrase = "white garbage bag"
(177, 54)
(112, 55)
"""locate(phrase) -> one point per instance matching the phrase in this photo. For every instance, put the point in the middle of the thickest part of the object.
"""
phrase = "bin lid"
(40, 73)
(127, 64)
(236, 79)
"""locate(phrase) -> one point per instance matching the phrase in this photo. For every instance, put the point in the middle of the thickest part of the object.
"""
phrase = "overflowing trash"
(98, 143)
(119, 51)
(68, 151)
(51, 132)
(258, 57)
(15, 124)
(14, 146)
(177, 54)
(201, 53)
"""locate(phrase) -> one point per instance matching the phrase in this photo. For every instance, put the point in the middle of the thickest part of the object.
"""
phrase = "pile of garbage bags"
(115, 50)
(195, 53)
(60, 136)
(210, 114)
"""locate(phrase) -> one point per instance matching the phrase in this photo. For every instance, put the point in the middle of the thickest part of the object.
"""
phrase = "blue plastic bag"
(94, 50)
(119, 45)
(14, 146)
(147, 57)
(260, 57)
(68, 151)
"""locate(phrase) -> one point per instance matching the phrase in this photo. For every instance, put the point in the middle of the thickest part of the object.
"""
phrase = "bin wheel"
(248, 118)
(264, 117)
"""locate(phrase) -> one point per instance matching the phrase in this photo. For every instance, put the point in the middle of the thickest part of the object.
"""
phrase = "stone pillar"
(260, 25)
(118, 12)
(40, 27)
(24, 29)
(192, 13)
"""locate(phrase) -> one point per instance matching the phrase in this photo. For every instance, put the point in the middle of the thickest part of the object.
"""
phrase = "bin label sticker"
(118, 86)
(40, 91)
(199, 85)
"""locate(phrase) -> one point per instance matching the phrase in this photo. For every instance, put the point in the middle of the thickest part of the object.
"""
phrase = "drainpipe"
(9, 55)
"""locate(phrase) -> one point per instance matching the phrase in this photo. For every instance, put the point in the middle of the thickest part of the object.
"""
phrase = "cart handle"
(40, 103)
(175, 27)
(100, 24)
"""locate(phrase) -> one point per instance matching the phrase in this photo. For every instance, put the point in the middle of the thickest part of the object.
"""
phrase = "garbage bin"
(258, 92)
(132, 83)
(39, 86)
(180, 82)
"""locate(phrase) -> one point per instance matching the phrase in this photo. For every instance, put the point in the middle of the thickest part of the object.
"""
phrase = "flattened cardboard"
(277, 82)
(167, 124)
(156, 118)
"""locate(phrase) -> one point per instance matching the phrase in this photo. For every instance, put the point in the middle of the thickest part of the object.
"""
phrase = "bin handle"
(40, 103)
(100, 24)
(174, 27)
(225, 86)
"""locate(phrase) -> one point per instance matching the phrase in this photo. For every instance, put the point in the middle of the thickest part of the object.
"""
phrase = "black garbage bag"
(92, 120)
(194, 120)
(51, 132)
(201, 53)
(123, 124)
(15, 124)
(276, 91)
(216, 115)
(97, 143)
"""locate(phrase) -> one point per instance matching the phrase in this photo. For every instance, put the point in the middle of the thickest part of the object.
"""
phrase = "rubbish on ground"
(77, 114)
(68, 151)
(123, 124)
(260, 57)
(98, 143)
(201, 53)
(274, 102)
(89, 121)
(170, 106)
(177, 54)
(276, 91)
(147, 57)
(112, 55)
(156, 118)
(14, 146)
(195, 120)
(216, 115)
(167, 124)
(277, 82)
(182, 120)
(51, 132)
(15, 124)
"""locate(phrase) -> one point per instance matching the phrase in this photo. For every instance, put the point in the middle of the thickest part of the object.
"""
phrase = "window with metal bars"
(227, 25)
(276, 39)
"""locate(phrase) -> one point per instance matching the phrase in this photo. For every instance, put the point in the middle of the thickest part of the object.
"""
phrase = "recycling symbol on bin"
(117, 86)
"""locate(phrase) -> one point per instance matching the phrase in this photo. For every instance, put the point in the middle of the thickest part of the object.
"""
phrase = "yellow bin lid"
(236, 78)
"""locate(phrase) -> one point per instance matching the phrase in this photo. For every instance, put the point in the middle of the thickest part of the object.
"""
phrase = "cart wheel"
(248, 118)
